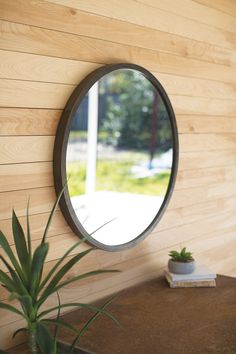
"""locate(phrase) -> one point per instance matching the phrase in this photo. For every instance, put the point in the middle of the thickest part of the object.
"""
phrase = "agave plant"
(26, 284)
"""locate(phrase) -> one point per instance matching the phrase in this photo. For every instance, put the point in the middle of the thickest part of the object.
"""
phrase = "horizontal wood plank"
(190, 160)
(206, 124)
(93, 26)
(22, 149)
(204, 106)
(145, 15)
(31, 67)
(26, 121)
(205, 176)
(26, 149)
(42, 199)
(225, 6)
(187, 86)
(213, 242)
(174, 217)
(207, 142)
(30, 94)
(25, 176)
(18, 121)
(197, 12)
(40, 174)
(37, 224)
(191, 196)
(28, 39)
(92, 262)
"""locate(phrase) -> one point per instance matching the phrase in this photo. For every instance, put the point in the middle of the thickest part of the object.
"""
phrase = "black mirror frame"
(60, 147)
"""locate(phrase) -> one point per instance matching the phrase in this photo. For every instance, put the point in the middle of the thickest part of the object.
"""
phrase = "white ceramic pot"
(181, 267)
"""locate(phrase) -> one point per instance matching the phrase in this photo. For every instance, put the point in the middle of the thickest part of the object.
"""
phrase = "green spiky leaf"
(38, 261)
(64, 270)
(28, 232)
(7, 249)
(19, 286)
(44, 339)
(8, 282)
(11, 309)
(20, 243)
(79, 305)
(61, 323)
(52, 214)
(89, 323)
(52, 271)
(45, 295)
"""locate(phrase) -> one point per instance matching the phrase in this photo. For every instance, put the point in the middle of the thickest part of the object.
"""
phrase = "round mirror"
(117, 146)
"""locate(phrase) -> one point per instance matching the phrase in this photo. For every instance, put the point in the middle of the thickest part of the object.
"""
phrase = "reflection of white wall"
(130, 214)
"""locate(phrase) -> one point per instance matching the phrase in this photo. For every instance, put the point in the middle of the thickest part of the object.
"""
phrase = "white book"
(200, 273)
(200, 283)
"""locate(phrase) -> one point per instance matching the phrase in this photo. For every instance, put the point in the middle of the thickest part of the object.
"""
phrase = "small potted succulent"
(181, 262)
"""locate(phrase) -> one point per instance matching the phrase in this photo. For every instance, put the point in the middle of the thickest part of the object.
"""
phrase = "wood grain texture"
(46, 49)
(207, 142)
(33, 94)
(29, 39)
(43, 198)
(25, 121)
(32, 67)
(88, 25)
(38, 223)
(174, 217)
(212, 240)
(206, 124)
(25, 149)
(137, 12)
(197, 12)
(224, 6)
(15, 121)
(22, 149)
(30, 94)
(25, 176)
(205, 176)
(191, 160)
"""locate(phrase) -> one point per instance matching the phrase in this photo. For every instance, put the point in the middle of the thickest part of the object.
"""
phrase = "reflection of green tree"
(116, 176)
(127, 105)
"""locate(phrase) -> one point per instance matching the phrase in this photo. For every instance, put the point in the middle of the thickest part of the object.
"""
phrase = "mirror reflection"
(119, 157)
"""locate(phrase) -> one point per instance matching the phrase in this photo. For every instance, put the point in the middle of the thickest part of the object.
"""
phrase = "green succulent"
(25, 283)
(182, 256)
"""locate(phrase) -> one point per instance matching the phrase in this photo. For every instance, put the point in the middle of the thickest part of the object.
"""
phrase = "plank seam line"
(75, 85)
(152, 28)
(132, 46)
(189, 18)
(105, 63)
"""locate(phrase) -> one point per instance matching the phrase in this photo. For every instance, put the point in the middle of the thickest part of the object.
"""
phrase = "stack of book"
(201, 277)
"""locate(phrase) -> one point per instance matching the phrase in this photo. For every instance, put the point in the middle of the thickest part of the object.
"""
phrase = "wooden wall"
(47, 47)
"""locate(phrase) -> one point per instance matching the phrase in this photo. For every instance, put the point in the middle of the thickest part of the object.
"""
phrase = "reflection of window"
(126, 153)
